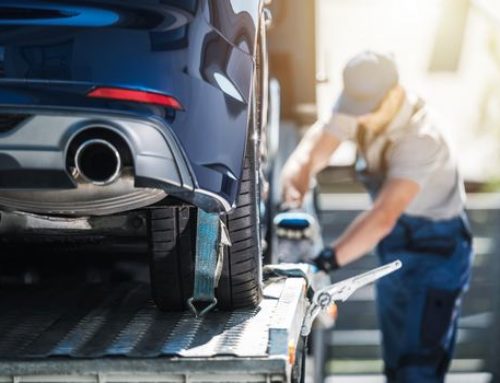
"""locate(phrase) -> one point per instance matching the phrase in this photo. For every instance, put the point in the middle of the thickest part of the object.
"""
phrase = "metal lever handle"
(341, 291)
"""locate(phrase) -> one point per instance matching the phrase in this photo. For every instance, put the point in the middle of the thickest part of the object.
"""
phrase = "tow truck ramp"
(114, 334)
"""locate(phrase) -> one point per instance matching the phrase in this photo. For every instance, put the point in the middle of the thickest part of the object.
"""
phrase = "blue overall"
(418, 306)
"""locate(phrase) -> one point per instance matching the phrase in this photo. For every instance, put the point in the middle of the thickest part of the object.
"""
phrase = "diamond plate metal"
(99, 321)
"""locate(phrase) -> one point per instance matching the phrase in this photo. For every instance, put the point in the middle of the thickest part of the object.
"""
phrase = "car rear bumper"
(33, 158)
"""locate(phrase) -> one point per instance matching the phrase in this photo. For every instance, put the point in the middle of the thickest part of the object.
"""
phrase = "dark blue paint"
(175, 47)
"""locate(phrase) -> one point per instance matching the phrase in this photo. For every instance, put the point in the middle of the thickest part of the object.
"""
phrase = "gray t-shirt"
(412, 148)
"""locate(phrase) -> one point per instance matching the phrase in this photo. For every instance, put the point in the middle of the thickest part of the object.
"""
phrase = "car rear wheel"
(172, 244)
(172, 241)
(240, 283)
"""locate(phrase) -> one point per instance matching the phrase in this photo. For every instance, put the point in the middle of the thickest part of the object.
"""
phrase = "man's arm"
(370, 227)
(310, 157)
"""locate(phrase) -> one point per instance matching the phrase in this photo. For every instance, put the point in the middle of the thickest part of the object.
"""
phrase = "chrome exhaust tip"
(98, 162)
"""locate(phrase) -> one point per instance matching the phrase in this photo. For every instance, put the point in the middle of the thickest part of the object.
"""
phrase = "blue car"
(121, 118)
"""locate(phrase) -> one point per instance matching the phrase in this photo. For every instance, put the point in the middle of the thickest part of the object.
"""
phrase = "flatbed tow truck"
(114, 333)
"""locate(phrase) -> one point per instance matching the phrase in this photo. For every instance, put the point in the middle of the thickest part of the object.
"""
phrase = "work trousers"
(418, 306)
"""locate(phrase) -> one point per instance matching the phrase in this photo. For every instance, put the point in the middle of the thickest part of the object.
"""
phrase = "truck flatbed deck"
(114, 333)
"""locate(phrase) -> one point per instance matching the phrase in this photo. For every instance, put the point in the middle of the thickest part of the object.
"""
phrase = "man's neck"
(403, 116)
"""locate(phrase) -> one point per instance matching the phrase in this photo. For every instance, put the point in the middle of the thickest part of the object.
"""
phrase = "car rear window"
(188, 5)
(89, 41)
(14, 13)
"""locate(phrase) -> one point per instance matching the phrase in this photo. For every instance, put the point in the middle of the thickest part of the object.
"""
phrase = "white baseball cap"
(368, 77)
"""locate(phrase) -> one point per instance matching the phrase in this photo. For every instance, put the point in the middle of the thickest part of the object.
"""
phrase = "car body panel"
(52, 53)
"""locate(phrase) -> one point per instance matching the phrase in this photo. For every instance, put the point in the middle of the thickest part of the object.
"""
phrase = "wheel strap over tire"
(211, 237)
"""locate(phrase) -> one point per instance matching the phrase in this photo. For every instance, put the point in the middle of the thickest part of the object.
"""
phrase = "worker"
(417, 214)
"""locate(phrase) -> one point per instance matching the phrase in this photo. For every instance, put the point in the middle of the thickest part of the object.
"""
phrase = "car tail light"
(136, 96)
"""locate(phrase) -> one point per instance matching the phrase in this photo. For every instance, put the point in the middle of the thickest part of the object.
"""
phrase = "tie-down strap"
(211, 237)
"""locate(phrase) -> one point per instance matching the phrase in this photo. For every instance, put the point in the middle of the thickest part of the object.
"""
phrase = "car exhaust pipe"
(98, 162)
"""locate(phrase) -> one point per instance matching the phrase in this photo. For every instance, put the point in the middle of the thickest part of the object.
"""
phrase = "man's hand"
(295, 180)
(326, 260)
(311, 156)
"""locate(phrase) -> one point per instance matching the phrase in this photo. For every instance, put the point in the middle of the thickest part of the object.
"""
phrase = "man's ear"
(378, 120)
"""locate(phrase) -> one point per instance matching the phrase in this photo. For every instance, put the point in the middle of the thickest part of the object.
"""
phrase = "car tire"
(240, 285)
(172, 244)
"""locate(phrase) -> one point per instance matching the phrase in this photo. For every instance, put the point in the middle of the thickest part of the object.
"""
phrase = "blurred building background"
(449, 53)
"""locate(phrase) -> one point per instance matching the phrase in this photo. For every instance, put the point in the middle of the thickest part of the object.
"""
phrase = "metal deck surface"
(101, 327)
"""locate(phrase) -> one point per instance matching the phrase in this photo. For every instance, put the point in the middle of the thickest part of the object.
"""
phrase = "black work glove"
(326, 260)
